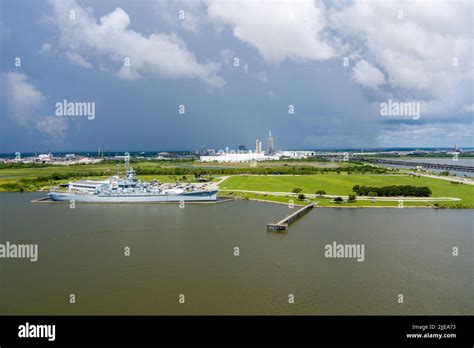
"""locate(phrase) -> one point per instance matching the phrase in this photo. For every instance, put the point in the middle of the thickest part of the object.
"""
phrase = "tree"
(301, 196)
(320, 193)
(338, 200)
(355, 188)
(297, 190)
(352, 198)
(393, 191)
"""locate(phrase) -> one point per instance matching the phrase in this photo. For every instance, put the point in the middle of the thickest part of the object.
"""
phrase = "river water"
(190, 251)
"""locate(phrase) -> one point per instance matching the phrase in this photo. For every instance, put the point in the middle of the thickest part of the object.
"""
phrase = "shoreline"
(236, 198)
(349, 207)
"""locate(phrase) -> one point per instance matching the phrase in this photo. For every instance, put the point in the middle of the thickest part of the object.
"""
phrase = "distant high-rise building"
(270, 143)
(258, 146)
(202, 151)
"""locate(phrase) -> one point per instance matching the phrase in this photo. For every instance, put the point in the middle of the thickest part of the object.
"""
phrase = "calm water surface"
(190, 251)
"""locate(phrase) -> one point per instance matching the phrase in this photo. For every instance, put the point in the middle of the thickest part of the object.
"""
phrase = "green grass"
(335, 184)
(323, 202)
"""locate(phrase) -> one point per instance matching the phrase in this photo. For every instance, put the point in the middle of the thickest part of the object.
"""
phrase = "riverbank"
(355, 205)
(281, 189)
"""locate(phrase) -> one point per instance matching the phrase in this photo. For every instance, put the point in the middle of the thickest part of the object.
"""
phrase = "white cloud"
(125, 73)
(23, 101)
(77, 59)
(45, 48)
(182, 13)
(52, 126)
(367, 75)
(415, 52)
(158, 54)
(227, 56)
(279, 30)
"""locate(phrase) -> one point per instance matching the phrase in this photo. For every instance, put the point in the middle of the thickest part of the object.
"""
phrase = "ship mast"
(127, 161)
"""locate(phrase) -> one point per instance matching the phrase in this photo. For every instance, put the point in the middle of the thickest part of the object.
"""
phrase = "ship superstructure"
(129, 189)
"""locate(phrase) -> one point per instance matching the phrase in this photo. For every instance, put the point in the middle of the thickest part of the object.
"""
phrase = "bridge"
(439, 166)
(282, 225)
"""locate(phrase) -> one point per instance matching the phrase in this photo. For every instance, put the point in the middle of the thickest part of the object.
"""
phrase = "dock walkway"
(282, 225)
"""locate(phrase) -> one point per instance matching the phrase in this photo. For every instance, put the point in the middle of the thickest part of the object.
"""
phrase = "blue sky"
(334, 61)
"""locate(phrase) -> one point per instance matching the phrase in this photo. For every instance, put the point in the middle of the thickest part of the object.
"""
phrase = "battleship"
(129, 190)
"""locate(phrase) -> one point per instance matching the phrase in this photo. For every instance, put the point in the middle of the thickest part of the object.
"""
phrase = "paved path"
(215, 185)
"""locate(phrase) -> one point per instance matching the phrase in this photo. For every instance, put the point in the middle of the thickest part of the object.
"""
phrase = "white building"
(258, 146)
(45, 157)
(238, 157)
(297, 154)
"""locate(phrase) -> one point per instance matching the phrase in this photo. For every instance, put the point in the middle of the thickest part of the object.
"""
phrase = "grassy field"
(335, 184)
(332, 183)
(323, 202)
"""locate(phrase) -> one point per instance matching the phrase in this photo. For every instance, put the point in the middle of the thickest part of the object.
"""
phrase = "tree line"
(393, 191)
(300, 170)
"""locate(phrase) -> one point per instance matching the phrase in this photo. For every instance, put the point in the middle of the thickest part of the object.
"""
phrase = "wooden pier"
(282, 225)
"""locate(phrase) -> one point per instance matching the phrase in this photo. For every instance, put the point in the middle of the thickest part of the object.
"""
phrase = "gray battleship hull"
(134, 197)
